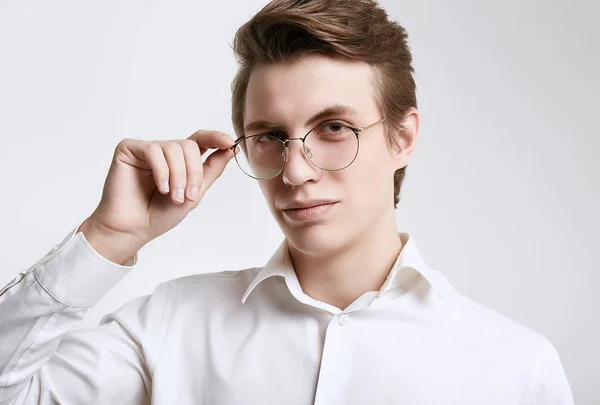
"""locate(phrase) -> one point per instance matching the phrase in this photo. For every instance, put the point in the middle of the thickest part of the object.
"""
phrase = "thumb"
(213, 167)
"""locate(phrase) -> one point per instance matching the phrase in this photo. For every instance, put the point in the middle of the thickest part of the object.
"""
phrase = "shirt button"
(343, 320)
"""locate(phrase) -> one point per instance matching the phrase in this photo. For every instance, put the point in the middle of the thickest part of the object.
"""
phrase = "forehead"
(292, 91)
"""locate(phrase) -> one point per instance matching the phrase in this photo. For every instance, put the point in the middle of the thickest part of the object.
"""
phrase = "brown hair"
(356, 29)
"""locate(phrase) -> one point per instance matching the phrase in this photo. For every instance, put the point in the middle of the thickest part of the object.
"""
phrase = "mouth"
(309, 212)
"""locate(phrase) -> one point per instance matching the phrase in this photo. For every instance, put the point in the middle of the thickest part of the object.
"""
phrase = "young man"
(345, 312)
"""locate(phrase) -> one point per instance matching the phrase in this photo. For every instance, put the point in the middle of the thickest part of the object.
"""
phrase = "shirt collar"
(277, 265)
(410, 258)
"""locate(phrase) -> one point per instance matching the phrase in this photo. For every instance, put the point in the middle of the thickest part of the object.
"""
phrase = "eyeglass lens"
(330, 147)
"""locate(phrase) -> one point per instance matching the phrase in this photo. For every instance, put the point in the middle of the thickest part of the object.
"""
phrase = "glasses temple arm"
(373, 124)
(236, 143)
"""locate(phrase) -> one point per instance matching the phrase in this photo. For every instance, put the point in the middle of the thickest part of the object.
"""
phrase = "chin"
(315, 240)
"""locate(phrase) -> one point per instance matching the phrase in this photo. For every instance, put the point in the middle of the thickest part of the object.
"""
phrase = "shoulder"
(505, 340)
(476, 320)
(481, 321)
(223, 286)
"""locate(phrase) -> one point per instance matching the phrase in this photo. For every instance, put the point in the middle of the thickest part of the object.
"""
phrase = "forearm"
(31, 324)
(43, 303)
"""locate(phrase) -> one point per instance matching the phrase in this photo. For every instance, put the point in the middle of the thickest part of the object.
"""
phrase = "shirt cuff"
(76, 275)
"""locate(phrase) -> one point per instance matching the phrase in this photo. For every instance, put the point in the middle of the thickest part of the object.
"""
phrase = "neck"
(362, 265)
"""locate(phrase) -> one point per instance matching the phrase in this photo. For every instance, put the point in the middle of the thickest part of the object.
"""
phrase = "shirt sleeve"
(552, 386)
(44, 361)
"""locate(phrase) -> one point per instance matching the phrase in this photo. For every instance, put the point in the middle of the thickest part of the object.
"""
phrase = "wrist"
(115, 246)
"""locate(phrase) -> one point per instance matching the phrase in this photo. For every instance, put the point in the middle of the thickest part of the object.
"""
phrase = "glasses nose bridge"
(286, 149)
(285, 142)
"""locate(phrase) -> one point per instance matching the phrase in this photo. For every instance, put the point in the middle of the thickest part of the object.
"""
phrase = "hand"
(136, 207)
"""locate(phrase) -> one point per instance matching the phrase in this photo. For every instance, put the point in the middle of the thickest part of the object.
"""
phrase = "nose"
(298, 168)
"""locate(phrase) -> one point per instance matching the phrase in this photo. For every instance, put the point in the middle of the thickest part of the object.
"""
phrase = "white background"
(502, 195)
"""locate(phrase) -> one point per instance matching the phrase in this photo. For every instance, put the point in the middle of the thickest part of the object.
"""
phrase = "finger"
(177, 171)
(214, 166)
(150, 154)
(193, 166)
(211, 140)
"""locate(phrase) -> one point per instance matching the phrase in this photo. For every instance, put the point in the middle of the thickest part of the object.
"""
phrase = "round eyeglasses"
(332, 146)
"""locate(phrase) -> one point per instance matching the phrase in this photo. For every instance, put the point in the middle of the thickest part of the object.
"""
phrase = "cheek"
(370, 179)
(270, 190)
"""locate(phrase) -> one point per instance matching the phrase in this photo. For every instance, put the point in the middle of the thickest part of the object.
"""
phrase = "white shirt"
(253, 337)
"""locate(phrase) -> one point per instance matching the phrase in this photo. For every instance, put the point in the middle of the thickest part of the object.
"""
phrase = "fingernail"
(194, 193)
(165, 186)
(179, 194)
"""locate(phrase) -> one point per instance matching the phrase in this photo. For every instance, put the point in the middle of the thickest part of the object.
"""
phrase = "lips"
(296, 205)
(311, 212)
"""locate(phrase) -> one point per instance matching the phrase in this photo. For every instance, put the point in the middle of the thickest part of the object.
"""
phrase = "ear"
(405, 140)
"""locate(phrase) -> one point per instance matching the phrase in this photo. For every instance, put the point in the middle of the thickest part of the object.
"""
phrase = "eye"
(333, 130)
(269, 137)
(332, 127)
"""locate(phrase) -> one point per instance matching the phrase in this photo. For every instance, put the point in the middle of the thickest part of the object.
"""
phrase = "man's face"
(288, 95)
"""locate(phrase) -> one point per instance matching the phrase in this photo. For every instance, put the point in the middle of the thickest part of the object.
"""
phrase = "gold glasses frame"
(285, 142)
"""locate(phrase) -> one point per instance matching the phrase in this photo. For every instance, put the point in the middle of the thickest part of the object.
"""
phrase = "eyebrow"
(334, 110)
